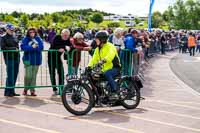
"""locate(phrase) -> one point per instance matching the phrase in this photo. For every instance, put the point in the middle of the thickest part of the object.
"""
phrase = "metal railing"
(69, 63)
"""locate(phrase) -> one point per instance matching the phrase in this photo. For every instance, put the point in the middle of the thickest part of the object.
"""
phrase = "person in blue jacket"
(32, 45)
(130, 42)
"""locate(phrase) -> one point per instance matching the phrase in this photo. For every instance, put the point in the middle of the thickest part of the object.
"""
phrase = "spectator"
(191, 44)
(198, 43)
(51, 35)
(12, 60)
(117, 39)
(130, 43)
(163, 43)
(78, 43)
(41, 32)
(60, 43)
(32, 45)
(1, 35)
(184, 42)
(93, 47)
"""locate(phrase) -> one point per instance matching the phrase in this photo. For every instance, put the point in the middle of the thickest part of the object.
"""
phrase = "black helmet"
(102, 36)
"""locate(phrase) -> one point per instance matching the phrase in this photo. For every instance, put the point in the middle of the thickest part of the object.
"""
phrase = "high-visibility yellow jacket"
(109, 53)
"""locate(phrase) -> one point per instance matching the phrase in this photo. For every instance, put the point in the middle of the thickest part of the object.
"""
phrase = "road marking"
(198, 58)
(172, 113)
(190, 61)
(73, 118)
(179, 102)
(173, 104)
(27, 126)
(161, 111)
(186, 102)
(155, 121)
(103, 109)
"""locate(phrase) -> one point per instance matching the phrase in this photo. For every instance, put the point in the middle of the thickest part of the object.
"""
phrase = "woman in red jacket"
(78, 44)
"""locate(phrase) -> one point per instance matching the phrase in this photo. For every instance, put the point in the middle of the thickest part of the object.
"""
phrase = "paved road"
(187, 68)
(170, 107)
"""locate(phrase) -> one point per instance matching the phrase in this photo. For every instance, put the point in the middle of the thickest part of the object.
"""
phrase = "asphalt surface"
(187, 68)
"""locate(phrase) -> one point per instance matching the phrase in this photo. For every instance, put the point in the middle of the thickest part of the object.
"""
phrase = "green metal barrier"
(69, 65)
(76, 60)
(43, 75)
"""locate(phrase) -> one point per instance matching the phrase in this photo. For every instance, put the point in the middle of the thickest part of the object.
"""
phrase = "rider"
(106, 54)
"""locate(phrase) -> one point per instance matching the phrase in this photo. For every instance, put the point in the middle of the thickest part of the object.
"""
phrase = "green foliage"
(184, 14)
(157, 19)
(137, 20)
(15, 14)
(24, 19)
(114, 25)
(97, 18)
(9, 18)
(64, 19)
(2, 17)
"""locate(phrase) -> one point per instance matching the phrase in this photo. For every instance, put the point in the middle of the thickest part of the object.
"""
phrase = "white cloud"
(136, 7)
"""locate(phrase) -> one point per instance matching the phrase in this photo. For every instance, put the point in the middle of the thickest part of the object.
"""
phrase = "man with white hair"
(60, 44)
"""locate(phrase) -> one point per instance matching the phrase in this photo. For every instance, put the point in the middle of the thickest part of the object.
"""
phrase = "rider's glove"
(89, 69)
(101, 62)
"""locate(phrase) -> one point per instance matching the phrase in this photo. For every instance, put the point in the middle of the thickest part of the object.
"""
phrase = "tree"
(137, 20)
(114, 25)
(183, 14)
(157, 19)
(55, 17)
(15, 14)
(97, 18)
(24, 19)
(193, 9)
(34, 16)
(10, 19)
(63, 19)
(2, 17)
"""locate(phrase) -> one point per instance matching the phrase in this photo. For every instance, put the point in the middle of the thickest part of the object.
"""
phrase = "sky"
(121, 7)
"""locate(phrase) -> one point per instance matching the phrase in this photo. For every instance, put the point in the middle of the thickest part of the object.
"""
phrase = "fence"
(67, 63)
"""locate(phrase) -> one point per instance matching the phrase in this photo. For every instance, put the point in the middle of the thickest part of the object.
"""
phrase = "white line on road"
(73, 118)
(27, 126)
(155, 121)
(173, 104)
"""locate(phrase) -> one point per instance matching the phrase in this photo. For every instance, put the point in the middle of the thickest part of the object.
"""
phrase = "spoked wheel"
(77, 98)
(130, 93)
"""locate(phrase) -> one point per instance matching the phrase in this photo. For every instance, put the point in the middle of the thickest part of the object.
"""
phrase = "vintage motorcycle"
(90, 89)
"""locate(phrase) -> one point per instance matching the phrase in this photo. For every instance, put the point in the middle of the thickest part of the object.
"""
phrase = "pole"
(150, 14)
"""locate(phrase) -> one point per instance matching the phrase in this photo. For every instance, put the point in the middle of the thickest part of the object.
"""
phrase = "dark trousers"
(198, 48)
(192, 51)
(55, 64)
(184, 49)
(162, 48)
(109, 75)
(12, 69)
(180, 48)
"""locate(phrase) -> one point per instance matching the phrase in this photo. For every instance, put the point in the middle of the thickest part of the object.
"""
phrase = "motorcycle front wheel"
(77, 98)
